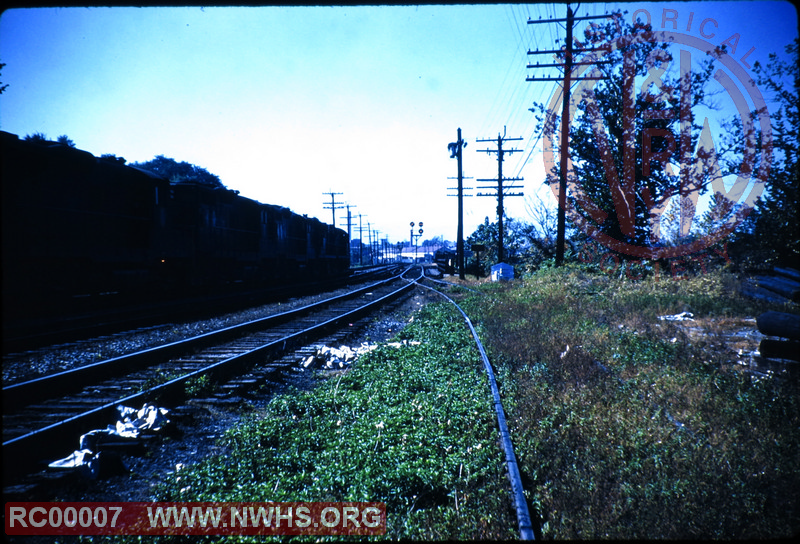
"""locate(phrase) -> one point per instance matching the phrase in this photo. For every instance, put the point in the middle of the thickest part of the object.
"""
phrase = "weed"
(628, 428)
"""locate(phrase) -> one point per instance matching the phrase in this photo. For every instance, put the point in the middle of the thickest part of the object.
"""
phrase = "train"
(445, 260)
(77, 226)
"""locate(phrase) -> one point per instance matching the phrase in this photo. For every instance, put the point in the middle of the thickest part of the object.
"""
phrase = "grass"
(664, 438)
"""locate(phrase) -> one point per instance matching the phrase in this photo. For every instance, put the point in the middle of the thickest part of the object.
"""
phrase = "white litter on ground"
(683, 316)
(344, 356)
(93, 454)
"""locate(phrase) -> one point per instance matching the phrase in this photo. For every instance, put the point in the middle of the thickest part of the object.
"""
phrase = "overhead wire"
(551, 14)
(514, 99)
(534, 139)
(506, 92)
(510, 103)
(520, 109)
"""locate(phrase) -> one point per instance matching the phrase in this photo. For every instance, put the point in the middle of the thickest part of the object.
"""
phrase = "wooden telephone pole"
(333, 207)
(500, 152)
(349, 229)
(568, 65)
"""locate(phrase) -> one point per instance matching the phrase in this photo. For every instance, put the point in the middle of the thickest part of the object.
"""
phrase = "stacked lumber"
(782, 286)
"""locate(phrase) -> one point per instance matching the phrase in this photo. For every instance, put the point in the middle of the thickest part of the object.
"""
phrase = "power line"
(333, 207)
(500, 193)
(568, 65)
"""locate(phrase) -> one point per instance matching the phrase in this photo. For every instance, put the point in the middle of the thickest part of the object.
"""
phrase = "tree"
(113, 158)
(544, 219)
(37, 137)
(516, 242)
(615, 190)
(64, 140)
(437, 241)
(770, 234)
(180, 172)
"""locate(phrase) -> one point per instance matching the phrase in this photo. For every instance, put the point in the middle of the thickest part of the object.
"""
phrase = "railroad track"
(41, 417)
(124, 313)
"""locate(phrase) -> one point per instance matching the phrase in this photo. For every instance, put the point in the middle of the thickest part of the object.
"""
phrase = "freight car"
(77, 226)
(445, 260)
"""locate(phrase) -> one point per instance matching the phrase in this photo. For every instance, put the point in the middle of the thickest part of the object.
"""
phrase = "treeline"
(174, 171)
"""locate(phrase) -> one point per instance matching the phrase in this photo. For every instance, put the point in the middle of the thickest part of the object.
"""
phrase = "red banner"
(195, 518)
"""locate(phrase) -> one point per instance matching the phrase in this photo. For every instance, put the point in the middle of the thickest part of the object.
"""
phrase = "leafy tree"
(517, 236)
(37, 137)
(437, 241)
(180, 172)
(112, 157)
(620, 191)
(64, 140)
(770, 234)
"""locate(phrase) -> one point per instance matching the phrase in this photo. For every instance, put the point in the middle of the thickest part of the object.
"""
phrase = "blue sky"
(288, 103)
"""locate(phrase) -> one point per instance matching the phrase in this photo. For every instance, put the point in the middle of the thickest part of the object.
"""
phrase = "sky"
(288, 104)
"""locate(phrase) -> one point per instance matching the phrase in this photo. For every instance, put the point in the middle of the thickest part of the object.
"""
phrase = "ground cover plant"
(412, 427)
(626, 426)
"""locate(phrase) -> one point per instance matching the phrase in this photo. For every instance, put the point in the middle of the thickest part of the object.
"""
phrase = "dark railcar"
(75, 225)
(445, 260)
(78, 226)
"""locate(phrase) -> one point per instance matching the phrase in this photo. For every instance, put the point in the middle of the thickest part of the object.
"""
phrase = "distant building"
(422, 254)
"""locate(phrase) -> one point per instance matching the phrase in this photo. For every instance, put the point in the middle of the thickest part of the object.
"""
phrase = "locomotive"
(78, 226)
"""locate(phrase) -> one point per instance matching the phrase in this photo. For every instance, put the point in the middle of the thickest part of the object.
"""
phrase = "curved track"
(41, 415)
(524, 523)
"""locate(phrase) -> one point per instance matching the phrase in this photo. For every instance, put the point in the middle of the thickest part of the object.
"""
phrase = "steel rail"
(127, 315)
(25, 451)
(518, 496)
(28, 392)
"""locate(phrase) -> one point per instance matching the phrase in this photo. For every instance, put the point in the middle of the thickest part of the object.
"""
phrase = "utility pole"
(376, 246)
(568, 65)
(349, 219)
(369, 235)
(349, 230)
(456, 152)
(500, 152)
(360, 240)
(333, 207)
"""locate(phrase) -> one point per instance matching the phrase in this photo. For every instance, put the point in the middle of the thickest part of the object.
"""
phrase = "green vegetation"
(412, 427)
(180, 172)
(625, 426)
(667, 439)
(193, 387)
